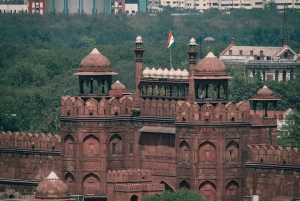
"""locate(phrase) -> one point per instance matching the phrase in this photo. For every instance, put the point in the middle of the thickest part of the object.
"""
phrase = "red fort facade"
(179, 131)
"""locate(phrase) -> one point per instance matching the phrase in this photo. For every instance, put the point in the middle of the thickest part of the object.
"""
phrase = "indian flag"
(170, 42)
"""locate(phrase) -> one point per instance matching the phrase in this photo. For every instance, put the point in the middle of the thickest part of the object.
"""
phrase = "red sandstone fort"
(175, 133)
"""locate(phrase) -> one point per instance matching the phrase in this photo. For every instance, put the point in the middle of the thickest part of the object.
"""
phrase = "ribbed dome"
(178, 74)
(211, 65)
(153, 72)
(159, 73)
(171, 73)
(185, 74)
(118, 86)
(52, 188)
(95, 62)
(165, 73)
(146, 72)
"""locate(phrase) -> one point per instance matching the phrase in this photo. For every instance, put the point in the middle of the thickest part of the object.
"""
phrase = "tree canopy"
(179, 195)
(290, 131)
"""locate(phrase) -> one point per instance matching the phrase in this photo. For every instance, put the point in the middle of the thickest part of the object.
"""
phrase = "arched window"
(232, 190)
(115, 145)
(207, 152)
(208, 190)
(134, 198)
(91, 184)
(91, 145)
(232, 152)
(184, 152)
(184, 185)
(69, 178)
(199, 91)
(69, 145)
(220, 91)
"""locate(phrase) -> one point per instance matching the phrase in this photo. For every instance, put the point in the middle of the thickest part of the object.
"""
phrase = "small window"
(114, 148)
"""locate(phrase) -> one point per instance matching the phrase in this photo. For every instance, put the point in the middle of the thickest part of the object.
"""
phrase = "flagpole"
(171, 58)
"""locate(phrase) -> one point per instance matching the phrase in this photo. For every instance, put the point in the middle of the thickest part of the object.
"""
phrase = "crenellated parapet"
(267, 154)
(112, 106)
(186, 111)
(139, 187)
(21, 140)
(131, 175)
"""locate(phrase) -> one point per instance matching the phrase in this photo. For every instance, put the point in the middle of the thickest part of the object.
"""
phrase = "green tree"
(290, 132)
(179, 195)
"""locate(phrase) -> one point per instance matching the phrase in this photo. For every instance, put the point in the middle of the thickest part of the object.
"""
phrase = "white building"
(6, 7)
(273, 63)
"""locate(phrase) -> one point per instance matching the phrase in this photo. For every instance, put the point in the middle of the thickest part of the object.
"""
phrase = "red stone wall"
(27, 156)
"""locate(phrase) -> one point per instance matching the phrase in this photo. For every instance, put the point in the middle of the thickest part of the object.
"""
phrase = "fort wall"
(26, 159)
(272, 171)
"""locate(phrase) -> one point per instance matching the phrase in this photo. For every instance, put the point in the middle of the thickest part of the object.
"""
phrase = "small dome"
(52, 188)
(95, 62)
(265, 91)
(159, 73)
(165, 73)
(146, 72)
(153, 72)
(185, 74)
(211, 65)
(265, 94)
(171, 73)
(139, 39)
(118, 86)
(178, 74)
(193, 42)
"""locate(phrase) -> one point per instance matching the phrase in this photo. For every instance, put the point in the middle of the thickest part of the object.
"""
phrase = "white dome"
(171, 73)
(165, 73)
(153, 72)
(185, 74)
(159, 73)
(146, 72)
(178, 74)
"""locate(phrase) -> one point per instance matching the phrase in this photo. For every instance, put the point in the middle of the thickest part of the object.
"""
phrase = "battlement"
(108, 106)
(139, 187)
(30, 141)
(131, 175)
(181, 110)
(267, 154)
(186, 111)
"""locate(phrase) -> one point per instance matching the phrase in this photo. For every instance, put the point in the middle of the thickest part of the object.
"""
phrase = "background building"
(273, 63)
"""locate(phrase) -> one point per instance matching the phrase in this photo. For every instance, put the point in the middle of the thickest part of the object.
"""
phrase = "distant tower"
(37, 6)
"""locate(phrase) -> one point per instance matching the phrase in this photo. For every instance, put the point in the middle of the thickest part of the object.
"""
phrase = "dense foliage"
(290, 132)
(184, 194)
(39, 54)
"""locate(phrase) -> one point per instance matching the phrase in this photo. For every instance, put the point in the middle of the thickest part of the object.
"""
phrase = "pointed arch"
(184, 154)
(91, 184)
(91, 145)
(207, 190)
(134, 198)
(69, 180)
(167, 186)
(69, 145)
(115, 144)
(232, 190)
(232, 151)
(207, 152)
(184, 185)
